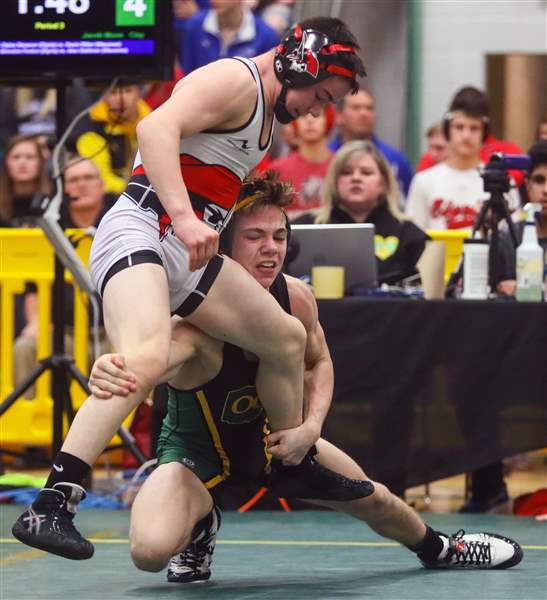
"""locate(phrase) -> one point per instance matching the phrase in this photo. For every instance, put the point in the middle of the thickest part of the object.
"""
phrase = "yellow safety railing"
(27, 256)
(453, 240)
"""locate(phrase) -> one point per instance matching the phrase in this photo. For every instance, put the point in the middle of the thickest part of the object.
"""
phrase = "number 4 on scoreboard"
(135, 12)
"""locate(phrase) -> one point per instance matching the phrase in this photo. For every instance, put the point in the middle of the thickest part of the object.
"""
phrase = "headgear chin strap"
(280, 108)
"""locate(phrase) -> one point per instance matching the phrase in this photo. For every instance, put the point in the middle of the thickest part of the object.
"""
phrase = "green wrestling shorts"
(196, 433)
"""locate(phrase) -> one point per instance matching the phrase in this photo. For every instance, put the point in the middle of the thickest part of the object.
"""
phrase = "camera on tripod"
(497, 182)
(495, 174)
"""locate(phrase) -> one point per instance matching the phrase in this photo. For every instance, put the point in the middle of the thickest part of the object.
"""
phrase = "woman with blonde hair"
(22, 175)
(360, 188)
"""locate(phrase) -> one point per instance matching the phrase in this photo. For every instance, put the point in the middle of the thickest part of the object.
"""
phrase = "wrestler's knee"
(148, 365)
(151, 550)
(150, 556)
(290, 339)
(380, 503)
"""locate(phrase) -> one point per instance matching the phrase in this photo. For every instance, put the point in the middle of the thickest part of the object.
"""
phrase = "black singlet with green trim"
(218, 430)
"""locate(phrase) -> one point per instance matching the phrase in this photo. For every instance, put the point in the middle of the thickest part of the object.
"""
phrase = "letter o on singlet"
(241, 406)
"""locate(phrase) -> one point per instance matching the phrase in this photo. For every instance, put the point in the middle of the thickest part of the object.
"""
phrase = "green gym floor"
(276, 556)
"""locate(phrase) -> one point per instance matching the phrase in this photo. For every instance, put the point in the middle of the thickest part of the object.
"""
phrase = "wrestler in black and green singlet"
(218, 429)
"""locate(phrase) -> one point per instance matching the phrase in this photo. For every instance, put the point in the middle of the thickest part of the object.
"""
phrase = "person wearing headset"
(491, 144)
(450, 194)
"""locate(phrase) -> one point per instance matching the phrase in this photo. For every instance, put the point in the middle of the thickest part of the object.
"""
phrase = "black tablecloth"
(428, 389)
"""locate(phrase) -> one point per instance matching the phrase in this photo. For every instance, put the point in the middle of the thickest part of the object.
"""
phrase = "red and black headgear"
(307, 56)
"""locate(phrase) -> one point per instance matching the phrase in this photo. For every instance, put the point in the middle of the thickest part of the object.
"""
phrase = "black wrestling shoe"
(477, 551)
(47, 523)
(311, 480)
(194, 564)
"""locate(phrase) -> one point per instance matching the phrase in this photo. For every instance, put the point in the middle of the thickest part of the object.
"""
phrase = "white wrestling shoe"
(194, 564)
(477, 551)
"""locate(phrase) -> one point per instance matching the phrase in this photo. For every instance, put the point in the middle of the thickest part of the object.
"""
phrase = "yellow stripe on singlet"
(216, 439)
(266, 431)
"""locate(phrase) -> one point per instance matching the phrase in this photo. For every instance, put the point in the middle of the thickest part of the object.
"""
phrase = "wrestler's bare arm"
(318, 378)
(219, 95)
(319, 375)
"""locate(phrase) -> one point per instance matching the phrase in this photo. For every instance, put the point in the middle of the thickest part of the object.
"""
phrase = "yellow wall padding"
(27, 256)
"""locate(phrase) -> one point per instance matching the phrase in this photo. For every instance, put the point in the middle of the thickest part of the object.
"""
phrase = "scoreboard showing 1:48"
(128, 12)
(94, 39)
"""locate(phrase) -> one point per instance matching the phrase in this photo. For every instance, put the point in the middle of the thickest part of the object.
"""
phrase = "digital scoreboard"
(95, 39)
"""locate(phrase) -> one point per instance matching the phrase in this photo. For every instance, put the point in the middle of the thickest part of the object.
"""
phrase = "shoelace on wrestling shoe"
(467, 552)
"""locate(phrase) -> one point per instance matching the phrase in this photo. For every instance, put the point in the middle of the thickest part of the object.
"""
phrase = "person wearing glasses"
(534, 190)
(536, 187)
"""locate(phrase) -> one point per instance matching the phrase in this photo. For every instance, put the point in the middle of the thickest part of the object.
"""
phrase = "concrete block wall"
(457, 35)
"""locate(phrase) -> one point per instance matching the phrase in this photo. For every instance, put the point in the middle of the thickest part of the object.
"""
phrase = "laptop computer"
(348, 245)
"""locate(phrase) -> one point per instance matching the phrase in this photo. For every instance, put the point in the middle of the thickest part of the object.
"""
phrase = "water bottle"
(475, 269)
(530, 263)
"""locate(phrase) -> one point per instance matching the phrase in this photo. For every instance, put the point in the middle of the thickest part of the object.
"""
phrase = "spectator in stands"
(356, 119)
(305, 168)
(360, 188)
(490, 145)
(536, 192)
(84, 189)
(450, 194)
(22, 176)
(437, 148)
(182, 11)
(108, 136)
(84, 208)
(227, 29)
(536, 186)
